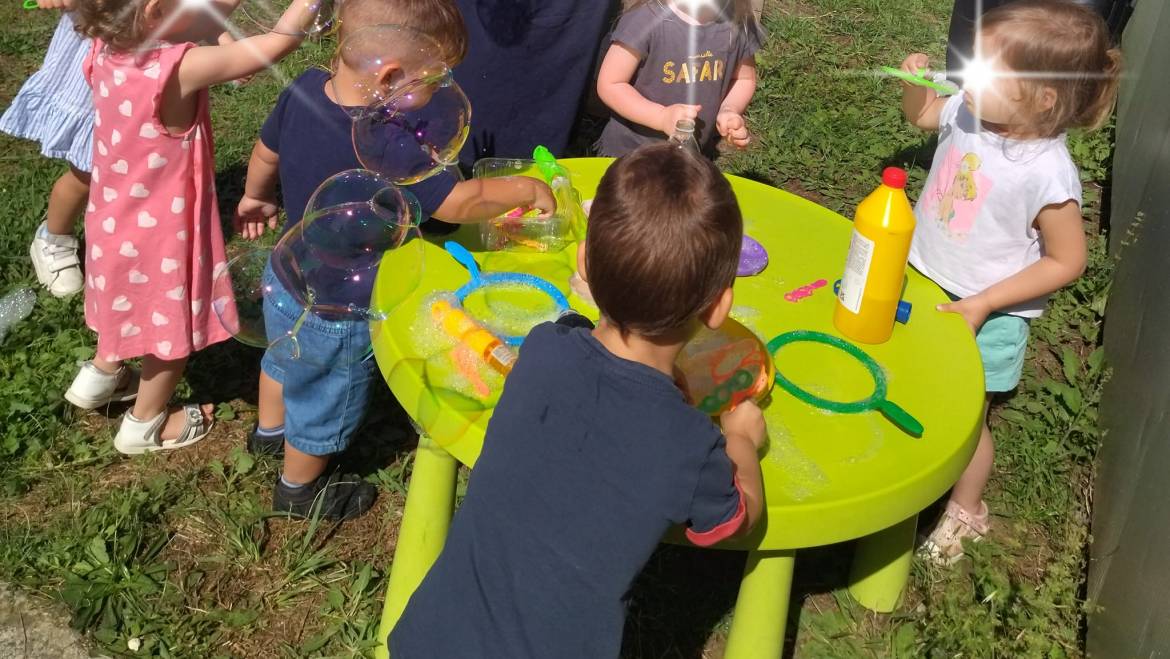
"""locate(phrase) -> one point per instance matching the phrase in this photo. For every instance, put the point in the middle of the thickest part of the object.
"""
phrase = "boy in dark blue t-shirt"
(309, 412)
(592, 452)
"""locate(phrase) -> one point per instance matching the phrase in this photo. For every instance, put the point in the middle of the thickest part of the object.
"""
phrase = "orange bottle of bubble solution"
(876, 266)
(459, 326)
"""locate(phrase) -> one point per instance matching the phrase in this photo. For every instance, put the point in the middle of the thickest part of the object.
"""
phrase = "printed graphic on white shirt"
(956, 195)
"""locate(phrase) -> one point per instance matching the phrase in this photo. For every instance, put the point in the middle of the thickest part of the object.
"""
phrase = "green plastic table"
(827, 477)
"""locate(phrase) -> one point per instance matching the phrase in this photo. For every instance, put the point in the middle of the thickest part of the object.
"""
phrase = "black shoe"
(260, 445)
(334, 497)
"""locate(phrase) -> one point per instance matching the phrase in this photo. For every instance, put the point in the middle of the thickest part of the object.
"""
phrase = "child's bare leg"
(159, 379)
(270, 402)
(968, 492)
(105, 366)
(301, 468)
(67, 201)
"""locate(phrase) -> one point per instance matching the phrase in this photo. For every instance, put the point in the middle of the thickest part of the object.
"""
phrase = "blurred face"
(703, 11)
(991, 90)
(189, 20)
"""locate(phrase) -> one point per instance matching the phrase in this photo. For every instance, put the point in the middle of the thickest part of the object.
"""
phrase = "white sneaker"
(94, 388)
(136, 437)
(56, 262)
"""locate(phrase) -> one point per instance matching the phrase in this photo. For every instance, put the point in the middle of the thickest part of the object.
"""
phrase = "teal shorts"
(1002, 341)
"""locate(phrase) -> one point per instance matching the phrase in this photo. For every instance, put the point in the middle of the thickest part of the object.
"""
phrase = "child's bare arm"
(922, 106)
(258, 206)
(482, 199)
(743, 87)
(615, 90)
(205, 66)
(729, 121)
(1063, 262)
(745, 431)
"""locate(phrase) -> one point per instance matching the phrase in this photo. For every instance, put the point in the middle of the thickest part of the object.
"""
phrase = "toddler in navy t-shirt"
(308, 412)
(593, 453)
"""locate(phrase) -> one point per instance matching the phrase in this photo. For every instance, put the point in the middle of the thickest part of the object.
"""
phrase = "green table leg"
(430, 502)
(881, 566)
(761, 610)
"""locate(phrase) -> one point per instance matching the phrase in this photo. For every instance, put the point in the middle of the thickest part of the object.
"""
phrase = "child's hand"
(733, 129)
(915, 63)
(746, 420)
(540, 196)
(252, 215)
(672, 114)
(974, 310)
(55, 4)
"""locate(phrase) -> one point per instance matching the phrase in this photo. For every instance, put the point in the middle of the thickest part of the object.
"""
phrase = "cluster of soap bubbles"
(413, 126)
(326, 265)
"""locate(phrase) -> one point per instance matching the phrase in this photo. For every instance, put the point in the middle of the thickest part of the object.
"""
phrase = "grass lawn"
(179, 551)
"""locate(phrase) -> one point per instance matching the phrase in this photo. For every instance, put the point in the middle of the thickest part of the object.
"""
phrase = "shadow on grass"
(918, 155)
(223, 372)
(682, 604)
(682, 595)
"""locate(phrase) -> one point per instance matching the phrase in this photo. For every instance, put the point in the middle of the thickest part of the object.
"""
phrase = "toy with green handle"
(875, 401)
(920, 80)
(557, 178)
(547, 164)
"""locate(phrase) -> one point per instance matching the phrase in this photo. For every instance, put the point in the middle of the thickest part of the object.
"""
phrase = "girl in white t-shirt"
(999, 221)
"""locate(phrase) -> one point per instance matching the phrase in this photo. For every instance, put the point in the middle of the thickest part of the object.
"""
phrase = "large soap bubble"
(416, 131)
(238, 293)
(328, 264)
(329, 260)
(261, 16)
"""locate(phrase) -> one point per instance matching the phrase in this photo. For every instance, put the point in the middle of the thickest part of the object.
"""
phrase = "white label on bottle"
(856, 272)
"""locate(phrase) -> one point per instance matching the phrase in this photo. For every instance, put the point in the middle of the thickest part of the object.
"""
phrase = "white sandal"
(93, 388)
(944, 545)
(136, 437)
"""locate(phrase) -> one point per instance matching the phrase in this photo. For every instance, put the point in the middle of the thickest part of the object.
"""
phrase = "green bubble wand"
(875, 401)
(920, 80)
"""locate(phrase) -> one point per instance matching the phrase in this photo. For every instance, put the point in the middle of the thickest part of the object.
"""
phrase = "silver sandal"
(136, 437)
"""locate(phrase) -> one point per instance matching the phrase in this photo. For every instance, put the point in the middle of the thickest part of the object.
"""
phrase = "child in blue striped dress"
(54, 108)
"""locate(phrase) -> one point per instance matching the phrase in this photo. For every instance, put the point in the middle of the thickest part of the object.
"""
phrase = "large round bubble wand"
(875, 401)
(479, 281)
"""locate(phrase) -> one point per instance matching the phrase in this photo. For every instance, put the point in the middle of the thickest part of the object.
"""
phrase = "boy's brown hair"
(663, 241)
(1069, 41)
(438, 19)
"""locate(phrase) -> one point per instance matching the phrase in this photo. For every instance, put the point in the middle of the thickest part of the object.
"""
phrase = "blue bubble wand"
(479, 281)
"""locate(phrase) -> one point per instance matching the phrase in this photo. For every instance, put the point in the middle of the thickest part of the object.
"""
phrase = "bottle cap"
(903, 313)
(894, 177)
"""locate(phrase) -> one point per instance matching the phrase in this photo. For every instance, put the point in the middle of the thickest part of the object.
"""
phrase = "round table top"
(827, 477)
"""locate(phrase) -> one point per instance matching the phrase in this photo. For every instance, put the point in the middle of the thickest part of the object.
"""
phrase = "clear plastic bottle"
(875, 270)
(684, 135)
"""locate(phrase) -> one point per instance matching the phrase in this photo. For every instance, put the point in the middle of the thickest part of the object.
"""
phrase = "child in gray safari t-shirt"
(665, 65)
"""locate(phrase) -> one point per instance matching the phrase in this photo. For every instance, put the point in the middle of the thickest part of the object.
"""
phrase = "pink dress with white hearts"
(153, 238)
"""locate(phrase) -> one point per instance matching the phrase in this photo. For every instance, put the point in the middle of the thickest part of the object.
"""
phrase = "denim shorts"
(326, 391)
(1002, 341)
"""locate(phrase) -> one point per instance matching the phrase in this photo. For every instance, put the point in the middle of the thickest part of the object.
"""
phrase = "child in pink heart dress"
(152, 227)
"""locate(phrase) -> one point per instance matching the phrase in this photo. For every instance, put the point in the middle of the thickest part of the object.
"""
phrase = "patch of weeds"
(350, 614)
